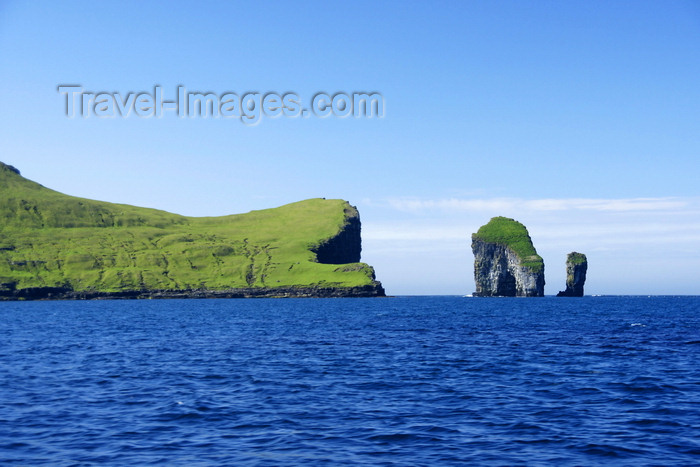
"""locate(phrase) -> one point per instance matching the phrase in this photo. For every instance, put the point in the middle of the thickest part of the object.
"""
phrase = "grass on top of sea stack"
(576, 258)
(513, 234)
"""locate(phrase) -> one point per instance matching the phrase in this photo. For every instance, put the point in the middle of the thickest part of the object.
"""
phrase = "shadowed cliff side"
(346, 246)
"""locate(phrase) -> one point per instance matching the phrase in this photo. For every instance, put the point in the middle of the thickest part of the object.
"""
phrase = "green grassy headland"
(48, 239)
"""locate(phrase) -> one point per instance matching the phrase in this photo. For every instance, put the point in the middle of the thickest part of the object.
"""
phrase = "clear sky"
(579, 119)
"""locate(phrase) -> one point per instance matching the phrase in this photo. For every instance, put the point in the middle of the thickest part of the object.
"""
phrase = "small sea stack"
(576, 267)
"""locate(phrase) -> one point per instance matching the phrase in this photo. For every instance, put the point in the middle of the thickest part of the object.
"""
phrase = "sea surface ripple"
(395, 381)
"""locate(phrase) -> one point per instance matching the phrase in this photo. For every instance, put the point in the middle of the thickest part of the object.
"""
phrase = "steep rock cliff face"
(576, 268)
(505, 261)
(346, 245)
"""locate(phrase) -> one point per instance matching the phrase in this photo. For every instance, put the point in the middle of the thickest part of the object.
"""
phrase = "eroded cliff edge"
(506, 263)
(576, 268)
(57, 246)
(346, 245)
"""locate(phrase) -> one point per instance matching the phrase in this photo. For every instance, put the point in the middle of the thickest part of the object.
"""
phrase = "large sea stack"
(506, 263)
(576, 267)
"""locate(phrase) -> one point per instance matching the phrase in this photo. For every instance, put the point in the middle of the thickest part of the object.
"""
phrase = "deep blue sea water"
(395, 381)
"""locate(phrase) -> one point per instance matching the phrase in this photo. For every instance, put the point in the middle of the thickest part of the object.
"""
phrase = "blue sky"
(579, 119)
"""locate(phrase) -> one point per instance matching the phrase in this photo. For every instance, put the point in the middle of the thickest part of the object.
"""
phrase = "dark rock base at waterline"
(570, 293)
(58, 293)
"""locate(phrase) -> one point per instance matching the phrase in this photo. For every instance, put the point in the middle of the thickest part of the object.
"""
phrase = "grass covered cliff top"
(576, 258)
(513, 234)
(48, 239)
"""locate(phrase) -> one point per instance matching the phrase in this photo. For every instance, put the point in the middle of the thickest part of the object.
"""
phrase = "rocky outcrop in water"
(498, 273)
(576, 268)
(506, 263)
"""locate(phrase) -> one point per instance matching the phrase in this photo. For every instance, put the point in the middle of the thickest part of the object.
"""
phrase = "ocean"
(386, 381)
